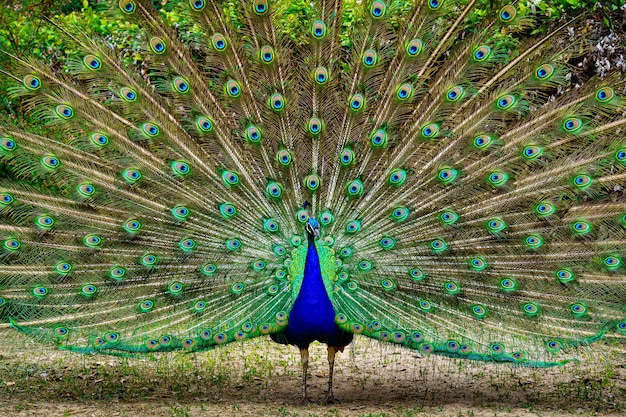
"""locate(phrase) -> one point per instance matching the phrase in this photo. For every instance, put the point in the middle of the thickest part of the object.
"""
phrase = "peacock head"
(313, 227)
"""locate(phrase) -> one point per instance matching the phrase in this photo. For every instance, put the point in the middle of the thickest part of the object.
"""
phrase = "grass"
(262, 378)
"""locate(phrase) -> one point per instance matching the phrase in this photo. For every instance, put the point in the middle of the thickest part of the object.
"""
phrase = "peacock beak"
(313, 227)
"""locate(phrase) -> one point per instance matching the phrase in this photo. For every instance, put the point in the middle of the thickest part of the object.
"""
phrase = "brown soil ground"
(260, 378)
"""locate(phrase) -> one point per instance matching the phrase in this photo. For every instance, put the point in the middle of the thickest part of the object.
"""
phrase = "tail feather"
(469, 197)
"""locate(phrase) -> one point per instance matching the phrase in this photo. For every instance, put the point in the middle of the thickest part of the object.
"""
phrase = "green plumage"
(470, 199)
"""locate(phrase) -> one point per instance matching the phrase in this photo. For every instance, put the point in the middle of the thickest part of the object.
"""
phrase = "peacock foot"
(330, 399)
(304, 400)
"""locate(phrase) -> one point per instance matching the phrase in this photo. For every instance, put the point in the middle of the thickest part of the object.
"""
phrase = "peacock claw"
(304, 401)
(330, 399)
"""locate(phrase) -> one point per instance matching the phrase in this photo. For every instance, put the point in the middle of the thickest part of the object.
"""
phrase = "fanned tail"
(470, 199)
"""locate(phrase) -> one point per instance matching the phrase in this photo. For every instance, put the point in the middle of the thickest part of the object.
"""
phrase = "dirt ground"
(261, 378)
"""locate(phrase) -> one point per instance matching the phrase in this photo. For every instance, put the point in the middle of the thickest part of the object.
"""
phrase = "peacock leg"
(330, 399)
(304, 358)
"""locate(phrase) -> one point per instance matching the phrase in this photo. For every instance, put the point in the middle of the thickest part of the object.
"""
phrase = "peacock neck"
(312, 316)
(313, 290)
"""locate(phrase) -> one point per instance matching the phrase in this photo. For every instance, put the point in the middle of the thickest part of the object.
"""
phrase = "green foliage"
(24, 31)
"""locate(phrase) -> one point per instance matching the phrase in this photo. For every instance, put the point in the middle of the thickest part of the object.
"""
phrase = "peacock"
(429, 174)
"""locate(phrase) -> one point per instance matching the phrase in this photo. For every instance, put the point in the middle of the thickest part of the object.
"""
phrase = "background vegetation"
(26, 31)
(23, 29)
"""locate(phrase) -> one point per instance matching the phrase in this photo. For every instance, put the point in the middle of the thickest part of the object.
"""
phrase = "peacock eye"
(506, 102)
(31, 82)
(355, 188)
(274, 190)
(435, 4)
(314, 126)
(197, 4)
(127, 6)
(572, 124)
(370, 58)
(357, 102)
(481, 53)
(414, 47)
(430, 131)
(260, 7)
(233, 88)
(455, 93)
(507, 13)
(180, 169)
(276, 102)
(404, 92)
(605, 94)
(498, 179)
(180, 212)
(284, 157)
(321, 75)
(397, 177)
(270, 225)
(378, 139)
(7, 145)
(377, 9)
(180, 84)
(532, 152)
(312, 182)
(319, 29)
(128, 94)
(99, 139)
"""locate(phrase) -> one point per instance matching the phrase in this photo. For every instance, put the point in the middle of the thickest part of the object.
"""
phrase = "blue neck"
(313, 290)
(312, 316)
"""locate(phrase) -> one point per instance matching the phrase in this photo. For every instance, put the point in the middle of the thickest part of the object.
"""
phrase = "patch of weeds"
(179, 411)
